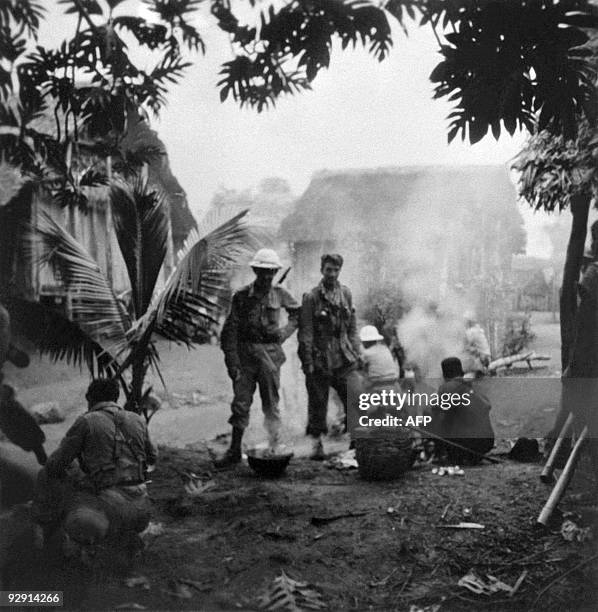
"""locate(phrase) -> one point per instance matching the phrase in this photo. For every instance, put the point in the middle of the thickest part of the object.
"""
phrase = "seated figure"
(380, 369)
(379, 364)
(465, 425)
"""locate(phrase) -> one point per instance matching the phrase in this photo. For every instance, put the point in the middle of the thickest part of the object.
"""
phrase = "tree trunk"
(580, 206)
(138, 372)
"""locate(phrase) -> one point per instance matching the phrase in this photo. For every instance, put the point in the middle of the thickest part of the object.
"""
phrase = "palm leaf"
(56, 336)
(141, 219)
(94, 307)
(197, 291)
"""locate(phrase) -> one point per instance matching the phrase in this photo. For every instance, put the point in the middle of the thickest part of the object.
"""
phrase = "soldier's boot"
(233, 455)
(317, 453)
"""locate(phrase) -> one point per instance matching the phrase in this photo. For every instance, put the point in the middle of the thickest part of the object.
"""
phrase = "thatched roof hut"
(20, 202)
(458, 221)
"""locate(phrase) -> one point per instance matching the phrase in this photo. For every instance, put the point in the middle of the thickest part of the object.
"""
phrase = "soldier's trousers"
(318, 387)
(89, 516)
(267, 378)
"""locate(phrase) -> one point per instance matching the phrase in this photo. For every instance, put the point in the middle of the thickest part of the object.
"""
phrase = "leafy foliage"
(553, 169)
(88, 84)
(518, 334)
(95, 308)
(515, 62)
(196, 292)
(293, 44)
(505, 63)
(59, 337)
(291, 596)
(99, 332)
(384, 306)
(141, 221)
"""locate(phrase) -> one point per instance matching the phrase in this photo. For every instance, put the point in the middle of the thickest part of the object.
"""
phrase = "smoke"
(429, 337)
(428, 243)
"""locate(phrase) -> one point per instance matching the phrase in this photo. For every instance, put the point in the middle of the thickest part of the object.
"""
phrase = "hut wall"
(20, 276)
(16, 276)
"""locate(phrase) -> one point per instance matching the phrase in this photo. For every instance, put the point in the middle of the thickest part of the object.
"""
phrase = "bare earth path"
(234, 539)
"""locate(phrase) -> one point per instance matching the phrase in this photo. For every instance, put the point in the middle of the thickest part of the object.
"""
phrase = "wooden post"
(563, 482)
(547, 473)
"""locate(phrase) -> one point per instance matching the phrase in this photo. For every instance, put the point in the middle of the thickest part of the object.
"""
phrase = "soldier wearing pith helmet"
(251, 340)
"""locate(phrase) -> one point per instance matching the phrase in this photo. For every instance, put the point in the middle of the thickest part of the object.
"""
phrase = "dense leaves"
(505, 63)
(94, 308)
(553, 169)
(59, 337)
(98, 330)
(141, 221)
(516, 62)
(293, 44)
(88, 86)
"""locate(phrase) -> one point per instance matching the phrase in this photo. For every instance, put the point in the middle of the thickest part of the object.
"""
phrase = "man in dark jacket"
(108, 494)
(251, 340)
(328, 347)
(465, 423)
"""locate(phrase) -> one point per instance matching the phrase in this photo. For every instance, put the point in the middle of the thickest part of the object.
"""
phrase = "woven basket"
(386, 456)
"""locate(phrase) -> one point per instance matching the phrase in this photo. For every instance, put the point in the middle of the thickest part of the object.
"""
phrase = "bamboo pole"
(563, 482)
(547, 473)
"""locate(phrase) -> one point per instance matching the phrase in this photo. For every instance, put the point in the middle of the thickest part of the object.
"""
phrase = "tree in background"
(559, 173)
(504, 64)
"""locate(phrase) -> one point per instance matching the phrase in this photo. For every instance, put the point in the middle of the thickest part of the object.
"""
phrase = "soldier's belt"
(265, 339)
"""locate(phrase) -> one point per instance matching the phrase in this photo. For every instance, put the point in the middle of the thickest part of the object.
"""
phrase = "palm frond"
(59, 338)
(198, 291)
(94, 306)
(141, 218)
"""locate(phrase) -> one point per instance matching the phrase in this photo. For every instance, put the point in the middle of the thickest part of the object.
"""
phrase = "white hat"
(266, 258)
(369, 333)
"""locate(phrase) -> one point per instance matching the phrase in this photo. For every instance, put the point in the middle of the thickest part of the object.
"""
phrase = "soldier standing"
(328, 346)
(251, 341)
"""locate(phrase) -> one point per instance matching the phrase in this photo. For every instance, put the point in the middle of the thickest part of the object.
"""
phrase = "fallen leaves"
(289, 595)
(573, 533)
(490, 585)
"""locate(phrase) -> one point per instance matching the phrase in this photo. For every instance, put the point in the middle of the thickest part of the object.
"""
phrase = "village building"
(438, 233)
(22, 201)
(453, 223)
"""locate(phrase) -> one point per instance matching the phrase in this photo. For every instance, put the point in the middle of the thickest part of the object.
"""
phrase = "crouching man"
(464, 424)
(107, 496)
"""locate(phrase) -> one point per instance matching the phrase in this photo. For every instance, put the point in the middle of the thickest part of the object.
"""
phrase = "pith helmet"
(369, 333)
(266, 258)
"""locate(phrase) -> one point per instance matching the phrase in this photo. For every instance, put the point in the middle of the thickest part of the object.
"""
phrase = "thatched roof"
(373, 202)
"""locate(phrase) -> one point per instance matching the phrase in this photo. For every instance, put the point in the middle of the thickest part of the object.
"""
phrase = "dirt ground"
(395, 553)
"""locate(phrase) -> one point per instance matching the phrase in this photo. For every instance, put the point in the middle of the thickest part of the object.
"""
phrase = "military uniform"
(251, 340)
(113, 449)
(328, 349)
